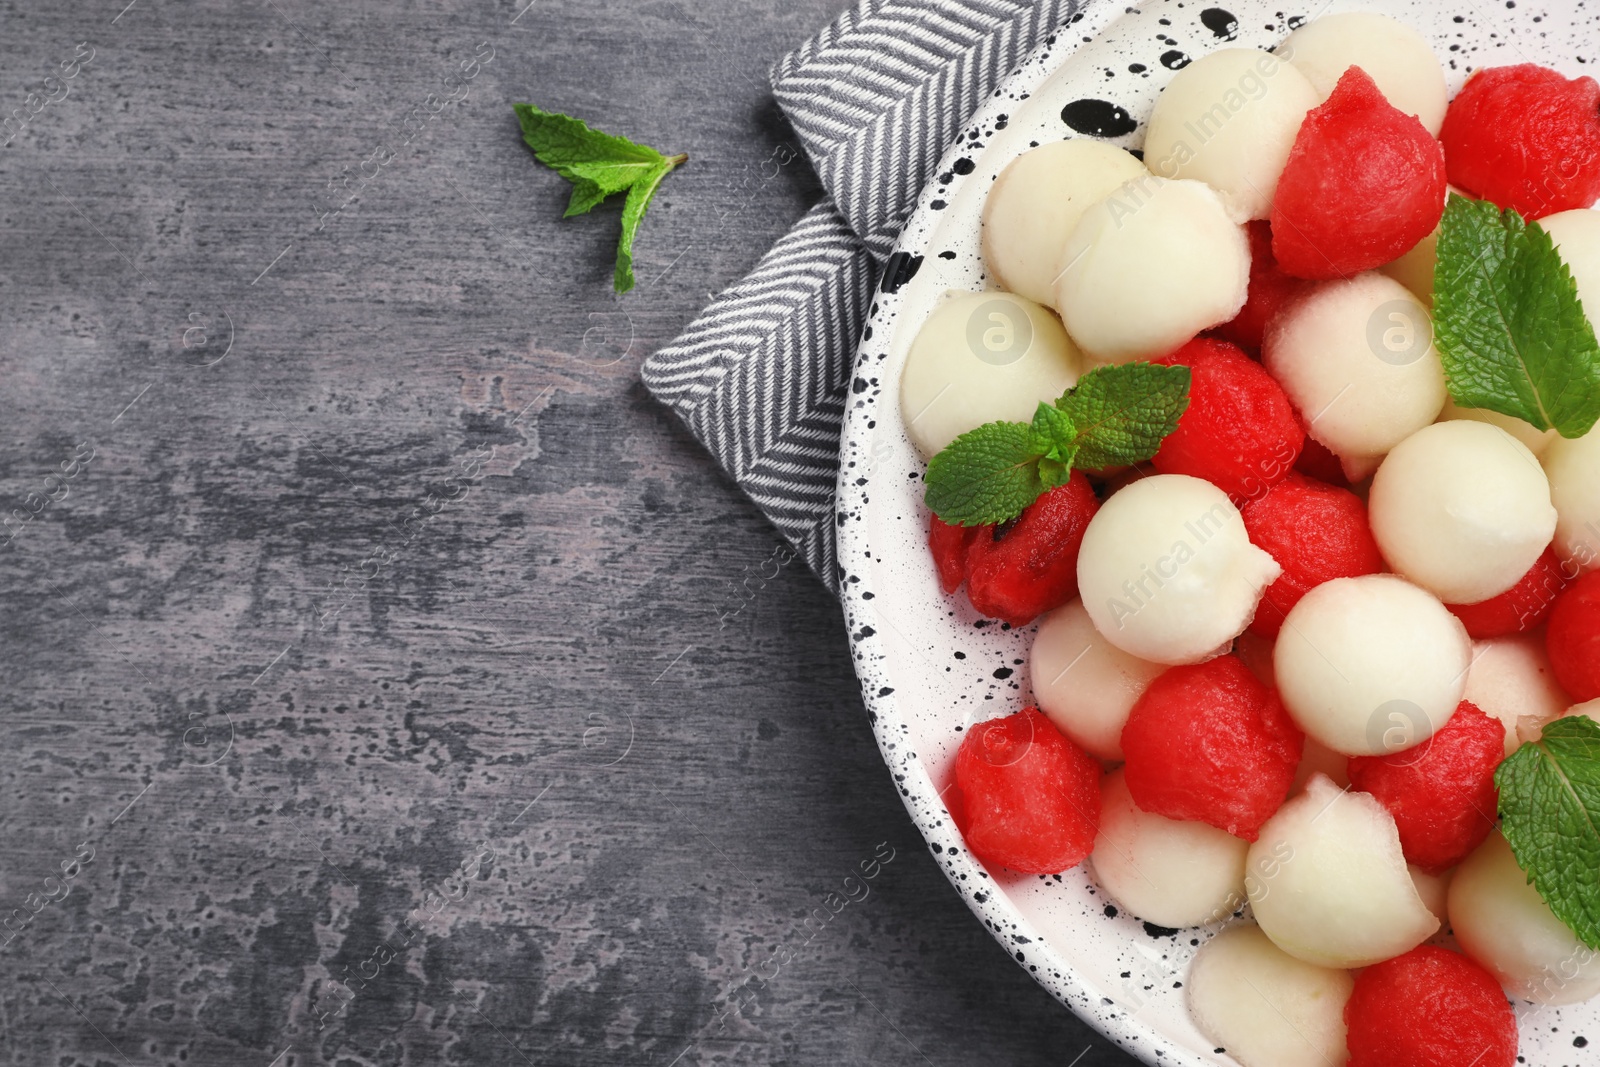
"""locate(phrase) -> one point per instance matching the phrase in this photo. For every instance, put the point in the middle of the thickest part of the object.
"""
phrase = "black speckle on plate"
(1159, 931)
(1098, 118)
(963, 166)
(1174, 60)
(900, 269)
(1221, 23)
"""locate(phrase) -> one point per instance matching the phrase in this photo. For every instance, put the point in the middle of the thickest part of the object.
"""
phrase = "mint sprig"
(1550, 815)
(1508, 322)
(598, 165)
(1114, 416)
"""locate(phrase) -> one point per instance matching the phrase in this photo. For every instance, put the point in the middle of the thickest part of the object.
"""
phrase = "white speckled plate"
(928, 664)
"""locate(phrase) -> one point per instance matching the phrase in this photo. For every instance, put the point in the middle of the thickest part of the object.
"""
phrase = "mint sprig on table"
(1550, 815)
(1114, 416)
(1508, 323)
(598, 165)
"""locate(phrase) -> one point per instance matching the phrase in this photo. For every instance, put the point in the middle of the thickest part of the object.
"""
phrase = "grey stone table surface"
(379, 684)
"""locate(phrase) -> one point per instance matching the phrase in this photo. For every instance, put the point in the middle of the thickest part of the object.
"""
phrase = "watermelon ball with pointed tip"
(1208, 742)
(1429, 1008)
(1441, 793)
(1526, 138)
(1240, 431)
(1316, 532)
(1019, 570)
(1364, 183)
(1270, 290)
(1573, 639)
(1025, 797)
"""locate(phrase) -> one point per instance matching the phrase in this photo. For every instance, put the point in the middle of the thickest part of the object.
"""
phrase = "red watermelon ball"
(1526, 138)
(1209, 742)
(1240, 431)
(1025, 797)
(1364, 183)
(1429, 1008)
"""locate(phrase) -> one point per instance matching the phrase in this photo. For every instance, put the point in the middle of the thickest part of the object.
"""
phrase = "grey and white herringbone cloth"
(761, 375)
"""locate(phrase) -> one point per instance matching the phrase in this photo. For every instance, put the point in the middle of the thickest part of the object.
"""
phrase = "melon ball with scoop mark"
(1357, 358)
(1149, 267)
(982, 357)
(1165, 871)
(1501, 921)
(1329, 883)
(1035, 204)
(1371, 665)
(1084, 683)
(1229, 119)
(1267, 1008)
(1573, 467)
(1167, 571)
(1393, 54)
(1462, 509)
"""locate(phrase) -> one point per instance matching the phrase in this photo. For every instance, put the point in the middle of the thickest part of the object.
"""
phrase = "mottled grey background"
(538, 750)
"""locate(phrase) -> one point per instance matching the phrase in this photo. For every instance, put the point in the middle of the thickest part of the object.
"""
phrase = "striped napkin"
(760, 376)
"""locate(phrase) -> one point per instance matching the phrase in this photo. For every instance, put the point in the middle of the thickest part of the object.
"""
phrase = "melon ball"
(1149, 267)
(1035, 204)
(1329, 883)
(1573, 468)
(1167, 571)
(1229, 119)
(1392, 54)
(1371, 665)
(1164, 871)
(1533, 440)
(982, 357)
(1500, 920)
(1084, 683)
(1265, 1007)
(1357, 358)
(1576, 235)
(1512, 680)
(1463, 509)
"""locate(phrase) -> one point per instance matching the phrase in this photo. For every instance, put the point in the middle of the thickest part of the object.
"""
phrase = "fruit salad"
(1282, 434)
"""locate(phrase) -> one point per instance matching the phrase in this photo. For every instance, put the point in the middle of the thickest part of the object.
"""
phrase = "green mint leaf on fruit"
(1113, 416)
(1550, 815)
(598, 165)
(986, 475)
(1508, 323)
(1124, 412)
(1055, 439)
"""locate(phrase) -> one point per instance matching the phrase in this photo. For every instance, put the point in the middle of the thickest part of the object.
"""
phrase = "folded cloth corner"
(761, 375)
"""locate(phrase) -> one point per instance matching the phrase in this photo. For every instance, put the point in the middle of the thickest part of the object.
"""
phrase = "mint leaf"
(1550, 815)
(1123, 412)
(1508, 322)
(1055, 439)
(1113, 416)
(986, 475)
(598, 165)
